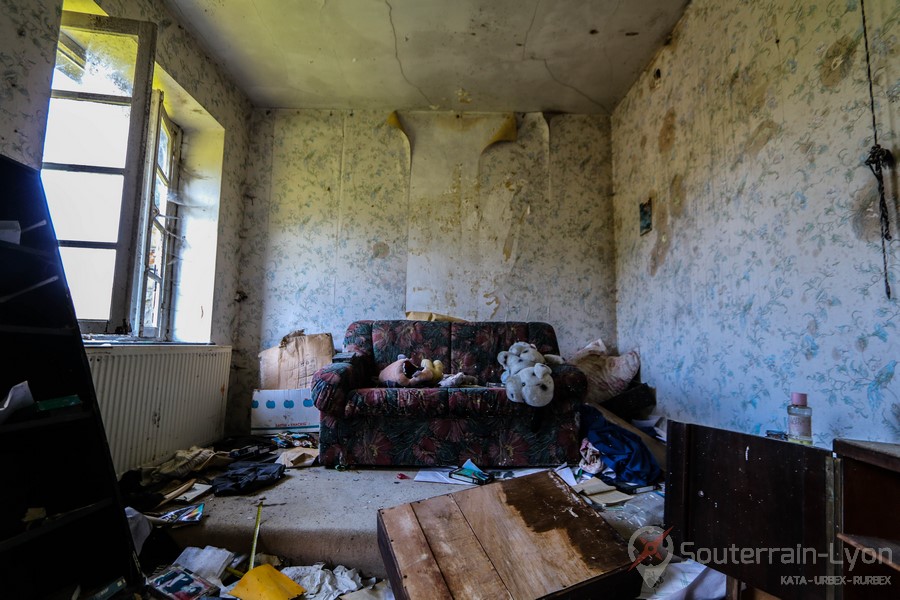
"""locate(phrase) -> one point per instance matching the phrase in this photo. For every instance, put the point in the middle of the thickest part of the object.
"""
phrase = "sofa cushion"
(470, 347)
(474, 345)
(441, 402)
(414, 339)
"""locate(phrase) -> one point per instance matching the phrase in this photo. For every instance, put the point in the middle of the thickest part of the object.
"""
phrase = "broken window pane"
(95, 62)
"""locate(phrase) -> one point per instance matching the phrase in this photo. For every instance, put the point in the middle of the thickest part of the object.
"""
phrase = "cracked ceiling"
(577, 56)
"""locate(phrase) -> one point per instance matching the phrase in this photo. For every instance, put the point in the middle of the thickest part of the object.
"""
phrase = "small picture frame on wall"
(646, 214)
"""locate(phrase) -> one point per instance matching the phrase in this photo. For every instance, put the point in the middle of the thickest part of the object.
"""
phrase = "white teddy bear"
(522, 355)
(531, 385)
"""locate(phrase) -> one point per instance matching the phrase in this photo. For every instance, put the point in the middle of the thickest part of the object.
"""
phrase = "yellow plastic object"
(266, 583)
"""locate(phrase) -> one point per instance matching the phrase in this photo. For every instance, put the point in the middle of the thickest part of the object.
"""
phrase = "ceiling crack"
(573, 88)
(530, 25)
(397, 54)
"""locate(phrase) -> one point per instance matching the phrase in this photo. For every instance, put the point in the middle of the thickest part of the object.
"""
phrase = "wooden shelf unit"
(868, 521)
(57, 460)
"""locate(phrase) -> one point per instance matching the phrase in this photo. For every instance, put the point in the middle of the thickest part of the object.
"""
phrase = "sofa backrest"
(470, 347)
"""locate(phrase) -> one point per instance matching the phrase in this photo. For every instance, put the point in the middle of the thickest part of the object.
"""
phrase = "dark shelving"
(52, 459)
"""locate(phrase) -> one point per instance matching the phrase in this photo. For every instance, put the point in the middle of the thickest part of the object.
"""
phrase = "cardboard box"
(290, 366)
(283, 410)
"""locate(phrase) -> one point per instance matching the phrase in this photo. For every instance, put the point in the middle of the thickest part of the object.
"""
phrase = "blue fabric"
(621, 450)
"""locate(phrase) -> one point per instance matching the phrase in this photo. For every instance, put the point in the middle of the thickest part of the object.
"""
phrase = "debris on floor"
(168, 497)
(177, 583)
(442, 474)
(178, 517)
(244, 477)
(266, 583)
(326, 584)
(209, 563)
(213, 572)
(380, 591)
(295, 458)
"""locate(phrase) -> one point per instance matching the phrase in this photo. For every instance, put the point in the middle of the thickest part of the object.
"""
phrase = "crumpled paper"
(294, 458)
(324, 584)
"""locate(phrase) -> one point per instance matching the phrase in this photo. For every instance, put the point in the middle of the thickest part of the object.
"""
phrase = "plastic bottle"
(799, 420)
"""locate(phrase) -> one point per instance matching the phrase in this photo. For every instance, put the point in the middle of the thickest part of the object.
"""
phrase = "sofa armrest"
(568, 382)
(332, 384)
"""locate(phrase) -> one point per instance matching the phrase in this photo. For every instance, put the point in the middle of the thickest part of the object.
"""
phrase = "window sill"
(95, 341)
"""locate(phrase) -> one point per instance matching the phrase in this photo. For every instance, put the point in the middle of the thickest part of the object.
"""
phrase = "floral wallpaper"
(350, 217)
(762, 274)
(28, 32)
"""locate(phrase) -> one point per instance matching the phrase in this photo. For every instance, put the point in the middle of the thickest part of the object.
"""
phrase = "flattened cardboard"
(291, 365)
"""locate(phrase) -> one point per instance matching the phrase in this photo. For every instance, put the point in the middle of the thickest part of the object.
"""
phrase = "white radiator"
(157, 399)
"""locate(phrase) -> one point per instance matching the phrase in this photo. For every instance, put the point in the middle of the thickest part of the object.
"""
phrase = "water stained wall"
(763, 272)
(365, 215)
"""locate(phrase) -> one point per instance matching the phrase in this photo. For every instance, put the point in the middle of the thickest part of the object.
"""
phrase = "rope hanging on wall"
(879, 158)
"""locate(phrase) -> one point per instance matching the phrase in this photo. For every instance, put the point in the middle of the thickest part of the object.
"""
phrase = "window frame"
(120, 319)
(170, 231)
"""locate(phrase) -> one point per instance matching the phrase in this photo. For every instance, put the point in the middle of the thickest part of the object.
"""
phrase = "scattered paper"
(594, 485)
(687, 580)
(437, 475)
(566, 473)
(442, 474)
(380, 591)
(324, 584)
(195, 491)
(180, 516)
(179, 583)
(295, 458)
(174, 489)
(609, 498)
(140, 527)
(209, 563)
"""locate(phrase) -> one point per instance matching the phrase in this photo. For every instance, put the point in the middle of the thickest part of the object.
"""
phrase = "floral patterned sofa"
(364, 424)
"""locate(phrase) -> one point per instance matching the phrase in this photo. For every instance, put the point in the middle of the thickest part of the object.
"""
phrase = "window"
(133, 175)
(94, 168)
(161, 232)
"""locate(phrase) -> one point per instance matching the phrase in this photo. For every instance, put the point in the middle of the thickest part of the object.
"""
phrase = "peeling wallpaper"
(28, 33)
(763, 272)
(350, 218)
(761, 275)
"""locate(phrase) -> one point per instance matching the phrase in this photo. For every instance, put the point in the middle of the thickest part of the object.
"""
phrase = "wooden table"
(525, 538)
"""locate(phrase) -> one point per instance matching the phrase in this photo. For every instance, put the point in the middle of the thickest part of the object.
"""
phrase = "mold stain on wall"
(837, 63)
(667, 132)
(355, 217)
(774, 249)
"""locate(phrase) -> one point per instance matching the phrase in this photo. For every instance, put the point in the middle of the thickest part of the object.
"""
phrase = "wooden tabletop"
(525, 538)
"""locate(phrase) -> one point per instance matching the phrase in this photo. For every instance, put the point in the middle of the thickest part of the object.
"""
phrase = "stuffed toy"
(436, 367)
(404, 373)
(522, 355)
(531, 385)
(519, 356)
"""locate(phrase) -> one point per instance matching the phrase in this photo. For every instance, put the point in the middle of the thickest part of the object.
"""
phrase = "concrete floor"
(312, 515)
(318, 514)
